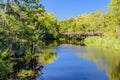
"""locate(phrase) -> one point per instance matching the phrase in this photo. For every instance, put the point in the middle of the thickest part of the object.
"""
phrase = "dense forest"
(107, 22)
(25, 25)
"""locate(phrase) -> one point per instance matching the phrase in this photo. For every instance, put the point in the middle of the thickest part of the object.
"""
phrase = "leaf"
(4, 54)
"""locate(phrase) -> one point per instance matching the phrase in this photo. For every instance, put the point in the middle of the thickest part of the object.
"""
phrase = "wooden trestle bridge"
(79, 35)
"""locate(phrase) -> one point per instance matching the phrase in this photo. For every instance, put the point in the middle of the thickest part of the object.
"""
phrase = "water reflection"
(64, 62)
(27, 66)
(79, 63)
(108, 60)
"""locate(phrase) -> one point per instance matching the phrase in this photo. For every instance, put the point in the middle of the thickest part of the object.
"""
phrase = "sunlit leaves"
(26, 73)
(50, 25)
(4, 54)
(82, 23)
(5, 66)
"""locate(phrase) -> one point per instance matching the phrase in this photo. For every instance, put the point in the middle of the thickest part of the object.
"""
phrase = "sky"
(63, 9)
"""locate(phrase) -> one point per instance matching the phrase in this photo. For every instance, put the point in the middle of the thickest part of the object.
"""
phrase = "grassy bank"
(107, 43)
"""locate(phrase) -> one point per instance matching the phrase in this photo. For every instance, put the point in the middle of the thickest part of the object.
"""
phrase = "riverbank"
(105, 43)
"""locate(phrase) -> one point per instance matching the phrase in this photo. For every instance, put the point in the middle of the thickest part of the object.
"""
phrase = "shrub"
(98, 42)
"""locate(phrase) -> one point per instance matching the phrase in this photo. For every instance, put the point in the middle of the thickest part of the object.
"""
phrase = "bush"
(98, 42)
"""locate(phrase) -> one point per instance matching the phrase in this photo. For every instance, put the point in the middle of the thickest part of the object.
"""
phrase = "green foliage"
(62, 39)
(26, 73)
(106, 22)
(50, 26)
(24, 22)
(4, 54)
(110, 43)
(82, 23)
(67, 25)
(19, 30)
(47, 57)
(5, 65)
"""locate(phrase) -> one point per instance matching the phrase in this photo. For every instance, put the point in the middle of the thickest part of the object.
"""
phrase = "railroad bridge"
(79, 35)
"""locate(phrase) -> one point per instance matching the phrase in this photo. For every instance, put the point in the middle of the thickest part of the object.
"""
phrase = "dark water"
(78, 63)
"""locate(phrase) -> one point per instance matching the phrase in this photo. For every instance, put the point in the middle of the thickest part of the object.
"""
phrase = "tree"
(114, 8)
(49, 28)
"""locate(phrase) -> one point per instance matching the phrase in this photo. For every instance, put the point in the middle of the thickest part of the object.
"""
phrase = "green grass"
(97, 42)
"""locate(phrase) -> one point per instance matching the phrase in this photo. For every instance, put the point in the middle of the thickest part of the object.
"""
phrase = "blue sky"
(69, 8)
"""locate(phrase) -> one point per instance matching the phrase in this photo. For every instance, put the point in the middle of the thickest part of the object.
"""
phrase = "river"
(72, 62)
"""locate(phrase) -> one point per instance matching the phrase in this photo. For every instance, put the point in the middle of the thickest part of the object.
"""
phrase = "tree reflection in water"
(30, 66)
(27, 66)
(108, 60)
(23, 67)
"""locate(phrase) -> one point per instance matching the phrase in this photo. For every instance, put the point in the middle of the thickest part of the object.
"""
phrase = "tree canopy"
(24, 25)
